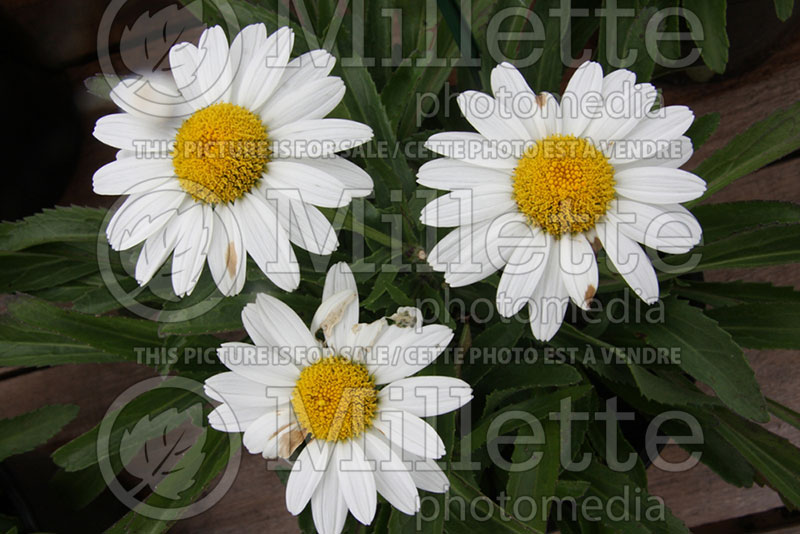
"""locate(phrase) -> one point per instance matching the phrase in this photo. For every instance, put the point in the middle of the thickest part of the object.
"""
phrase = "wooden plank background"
(67, 39)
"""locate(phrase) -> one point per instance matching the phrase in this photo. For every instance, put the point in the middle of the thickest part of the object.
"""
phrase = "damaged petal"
(289, 441)
(407, 317)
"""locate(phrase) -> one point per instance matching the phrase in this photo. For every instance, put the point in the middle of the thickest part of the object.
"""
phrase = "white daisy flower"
(227, 156)
(541, 182)
(352, 395)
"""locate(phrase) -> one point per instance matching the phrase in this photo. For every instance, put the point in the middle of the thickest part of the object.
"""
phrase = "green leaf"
(629, 46)
(766, 141)
(100, 85)
(26, 271)
(702, 129)
(539, 406)
(720, 221)
(516, 375)
(118, 336)
(497, 520)
(720, 294)
(673, 393)
(708, 353)
(539, 482)
(758, 247)
(710, 35)
(761, 326)
(364, 104)
(618, 494)
(27, 431)
(782, 412)
(20, 346)
(783, 8)
(59, 225)
(775, 458)
(493, 338)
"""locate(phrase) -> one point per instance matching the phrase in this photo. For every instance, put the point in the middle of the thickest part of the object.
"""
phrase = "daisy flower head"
(227, 155)
(349, 395)
(542, 183)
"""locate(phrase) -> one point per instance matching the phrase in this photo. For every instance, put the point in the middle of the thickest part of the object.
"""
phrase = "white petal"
(318, 137)
(672, 155)
(227, 257)
(513, 92)
(306, 226)
(449, 174)
(549, 301)
(312, 185)
(625, 104)
(327, 504)
(578, 268)
(472, 252)
(473, 148)
(658, 185)
(356, 181)
(392, 479)
(142, 215)
(248, 43)
(261, 76)
(263, 430)
(356, 480)
(306, 474)
(306, 68)
(550, 112)
(267, 243)
(522, 273)
(256, 365)
(191, 249)
(272, 323)
(233, 388)
(665, 124)
(203, 73)
(630, 261)
(153, 97)
(425, 396)
(340, 318)
(330, 316)
(398, 357)
(129, 132)
(668, 228)
(468, 206)
(285, 441)
(155, 252)
(428, 476)
(128, 176)
(310, 101)
(487, 116)
(410, 433)
(582, 94)
(227, 418)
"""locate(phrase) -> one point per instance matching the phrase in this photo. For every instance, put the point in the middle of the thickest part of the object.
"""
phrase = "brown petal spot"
(289, 441)
(231, 259)
(541, 99)
(590, 291)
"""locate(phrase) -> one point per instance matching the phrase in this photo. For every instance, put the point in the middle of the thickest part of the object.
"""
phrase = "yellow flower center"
(563, 184)
(335, 399)
(220, 153)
